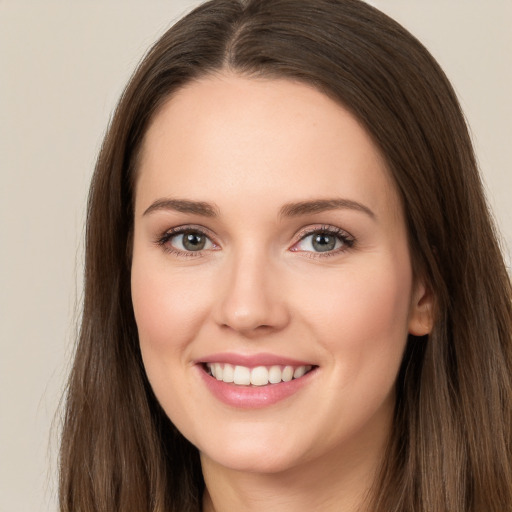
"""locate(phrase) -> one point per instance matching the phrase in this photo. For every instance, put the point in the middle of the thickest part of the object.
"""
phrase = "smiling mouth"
(257, 376)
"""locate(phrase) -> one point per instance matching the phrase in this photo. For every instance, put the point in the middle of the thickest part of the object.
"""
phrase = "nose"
(252, 300)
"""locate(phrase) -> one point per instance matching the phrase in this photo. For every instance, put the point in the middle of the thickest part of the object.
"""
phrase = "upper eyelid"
(321, 229)
(189, 227)
(302, 232)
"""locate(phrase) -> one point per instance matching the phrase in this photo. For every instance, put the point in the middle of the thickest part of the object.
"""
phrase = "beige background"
(62, 67)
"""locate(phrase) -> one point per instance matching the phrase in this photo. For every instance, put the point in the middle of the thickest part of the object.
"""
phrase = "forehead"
(244, 136)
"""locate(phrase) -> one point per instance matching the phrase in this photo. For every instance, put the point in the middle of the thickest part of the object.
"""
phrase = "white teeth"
(242, 376)
(229, 373)
(287, 373)
(258, 376)
(218, 371)
(274, 374)
(299, 372)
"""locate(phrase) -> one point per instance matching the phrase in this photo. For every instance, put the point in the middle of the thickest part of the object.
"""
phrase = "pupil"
(193, 241)
(323, 242)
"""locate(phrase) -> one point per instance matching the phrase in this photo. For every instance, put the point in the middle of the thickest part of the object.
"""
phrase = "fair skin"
(295, 254)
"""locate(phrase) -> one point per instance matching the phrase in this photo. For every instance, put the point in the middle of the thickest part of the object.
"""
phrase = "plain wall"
(62, 67)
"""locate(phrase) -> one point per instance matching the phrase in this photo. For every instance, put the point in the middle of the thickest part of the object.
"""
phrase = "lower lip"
(253, 397)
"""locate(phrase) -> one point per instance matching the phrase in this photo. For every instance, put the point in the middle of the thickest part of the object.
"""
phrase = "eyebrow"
(323, 205)
(183, 206)
(288, 210)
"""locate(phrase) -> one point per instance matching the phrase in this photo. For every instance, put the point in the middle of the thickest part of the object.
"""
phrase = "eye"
(324, 240)
(190, 241)
(185, 241)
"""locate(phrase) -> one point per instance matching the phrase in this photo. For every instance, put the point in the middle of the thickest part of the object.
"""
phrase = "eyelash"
(347, 240)
(163, 240)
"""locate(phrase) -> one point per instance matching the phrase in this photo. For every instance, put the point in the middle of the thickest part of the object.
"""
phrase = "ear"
(421, 315)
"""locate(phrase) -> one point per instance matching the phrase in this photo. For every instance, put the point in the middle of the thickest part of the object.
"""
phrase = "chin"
(253, 460)
(253, 453)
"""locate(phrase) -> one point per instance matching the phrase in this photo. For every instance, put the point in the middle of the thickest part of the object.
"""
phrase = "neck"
(340, 482)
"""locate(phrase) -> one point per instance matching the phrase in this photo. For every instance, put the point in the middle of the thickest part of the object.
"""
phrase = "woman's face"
(269, 240)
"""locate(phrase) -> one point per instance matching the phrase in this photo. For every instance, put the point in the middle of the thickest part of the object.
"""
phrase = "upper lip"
(252, 360)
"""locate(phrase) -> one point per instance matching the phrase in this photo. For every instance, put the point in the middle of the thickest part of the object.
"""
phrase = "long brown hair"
(451, 444)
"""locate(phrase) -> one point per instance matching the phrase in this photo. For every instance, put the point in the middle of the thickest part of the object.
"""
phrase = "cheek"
(168, 306)
(360, 318)
(169, 311)
(363, 311)
(379, 305)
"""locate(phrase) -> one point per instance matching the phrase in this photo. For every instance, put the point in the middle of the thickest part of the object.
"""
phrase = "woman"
(294, 295)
